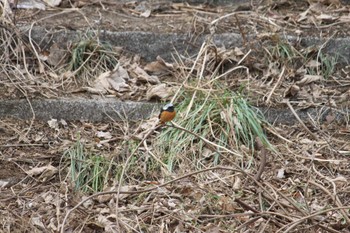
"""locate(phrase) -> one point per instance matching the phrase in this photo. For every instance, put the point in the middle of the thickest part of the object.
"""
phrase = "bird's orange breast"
(166, 116)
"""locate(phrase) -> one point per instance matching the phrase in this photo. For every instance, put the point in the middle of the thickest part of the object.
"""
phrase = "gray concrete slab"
(75, 109)
(107, 110)
(149, 45)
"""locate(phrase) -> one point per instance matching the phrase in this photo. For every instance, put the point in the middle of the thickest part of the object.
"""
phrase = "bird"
(167, 113)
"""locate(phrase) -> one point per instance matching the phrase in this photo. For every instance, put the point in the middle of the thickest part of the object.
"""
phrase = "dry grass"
(218, 168)
(200, 174)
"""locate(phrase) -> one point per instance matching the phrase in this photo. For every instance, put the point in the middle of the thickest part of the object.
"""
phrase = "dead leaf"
(238, 183)
(142, 75)
(104, 135)
(272, 71)
(168, 65)
(309, 79)
(313, 64)
(111, 81)
(45, 172)
(207, 153)
(330, 118)
(55, 55)
(53, 124)
(227, 54)
(213, 229)
(108, 222)
(238, 51)
(159, 67)
(118, 79)
(160, 91)
(303, 16)
(88, 203)
(325, 17)
(227, 204)
(37, 221)
(305, 141)
(280, 173)
(30, 4)
(146, 13)
(53, 3)
(292, 91)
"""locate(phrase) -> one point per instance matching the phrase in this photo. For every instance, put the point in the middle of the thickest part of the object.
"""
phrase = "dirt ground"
(291, 17)
(304, 185)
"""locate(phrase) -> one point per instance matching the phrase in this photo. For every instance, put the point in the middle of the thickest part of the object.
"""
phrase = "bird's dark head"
(168, 107)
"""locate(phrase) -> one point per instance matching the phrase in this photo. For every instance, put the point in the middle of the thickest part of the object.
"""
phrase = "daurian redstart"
(167, 113)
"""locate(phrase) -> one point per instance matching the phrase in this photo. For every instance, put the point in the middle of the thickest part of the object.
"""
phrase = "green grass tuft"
(90, 57)
(226, 119)
(88, 172)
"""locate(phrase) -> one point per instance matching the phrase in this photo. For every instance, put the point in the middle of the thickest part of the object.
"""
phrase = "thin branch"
(301, 122)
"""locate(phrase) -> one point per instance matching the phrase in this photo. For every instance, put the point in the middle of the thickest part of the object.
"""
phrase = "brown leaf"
(45, 172)
(111, 81)
(142, 75)
(330, 118)
(326, 18)
(313, 64)
(159, 67)
(309, 79)
(227, 204)
(53, 3)
(292, 91)
(146, 14)
(213, 229)
(303, 16)
(160, 91)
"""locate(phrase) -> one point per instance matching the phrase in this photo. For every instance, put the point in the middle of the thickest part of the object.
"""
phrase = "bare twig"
(276, 85)
(263, 153)
(207, 141)
(300, 121)
(144, 190)
(295, 223)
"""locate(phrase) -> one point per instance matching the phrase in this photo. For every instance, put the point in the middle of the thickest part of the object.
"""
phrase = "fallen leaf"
(313, 64)
(53, 124)
(118, 78)
(159, 67)
(160, 91)
(63, 122)
(324, 17)
(213, 229)
(111, 81)
(227, 204)
(53, 3)
(292, 91)
(142, 75)
(55, 55)
(104, 135)
(30, 4)
(330, 118)
(303, 16)
(280, 173)
(227, 54)
(238, 51)
(37, 221)
(45, 172)
(309, 79)
(238, 183)
(146, 13)
(305, 141)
